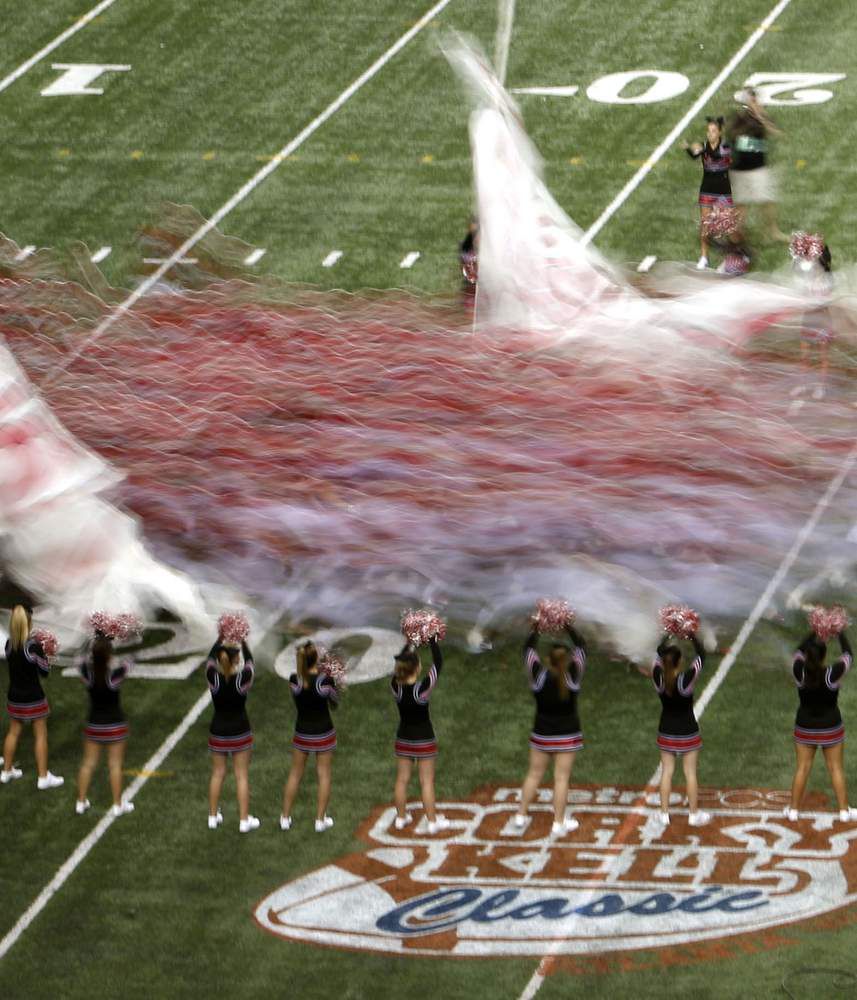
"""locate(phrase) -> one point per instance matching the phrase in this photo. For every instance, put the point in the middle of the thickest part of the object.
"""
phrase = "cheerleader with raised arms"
(556, 735)
(314, 692)
(678, 729)
(415, 736)
(230, 733)
(818, 724)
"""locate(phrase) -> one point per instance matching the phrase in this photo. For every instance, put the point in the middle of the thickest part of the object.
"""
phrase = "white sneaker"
(401, 822)
(123, 809)
(81, 807)
(11, 775)
(846, 815)
(249, 824)
(440, 823)
(699, 818)
(702, 263)
(285, 822)
(790, 814)
(215, 821)
(323, 824)
(49, 781)
(664, 818)
(520, 820)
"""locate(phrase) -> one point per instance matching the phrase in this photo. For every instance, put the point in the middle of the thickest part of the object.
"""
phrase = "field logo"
(619, 882)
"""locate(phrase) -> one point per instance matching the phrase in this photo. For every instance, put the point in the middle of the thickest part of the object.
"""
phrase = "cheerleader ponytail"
(671, 660)
(227, 661)
(102, 651)
(407, 662)
(307, 658)
(19, 627)
(559, 664)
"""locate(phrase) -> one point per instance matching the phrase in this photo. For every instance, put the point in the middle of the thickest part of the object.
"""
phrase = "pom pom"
(721, 222)
(233, 628)
(420, 626)
(552, 615)
(122, 626)
(335, 668)
(679, 620)
(47, 640)
(828, 622)
(806, 246)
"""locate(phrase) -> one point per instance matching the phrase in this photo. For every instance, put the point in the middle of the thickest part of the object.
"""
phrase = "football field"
(329, 143)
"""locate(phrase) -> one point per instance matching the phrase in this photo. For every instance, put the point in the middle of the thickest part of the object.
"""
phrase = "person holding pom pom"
(415, 738)
(26, 701)
(678, 730)
(106, 724)
(819, 721)
(556, 734)
(314, 691)
(230, 732)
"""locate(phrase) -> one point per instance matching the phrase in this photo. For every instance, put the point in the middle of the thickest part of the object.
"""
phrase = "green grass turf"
(161, 907)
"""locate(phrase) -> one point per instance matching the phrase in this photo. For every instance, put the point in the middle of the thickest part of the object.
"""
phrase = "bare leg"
(538, 766)
(688, 766)
(10, 744)
(562, 765)
(667, 768)
(296, 772)
(215, 786)
(769, 215)
(115, 760)
(404, 767)
(833, 759)
(426, 769)
(91, 753)
(323, 770)
(40, 736)
(704, 212)
(241, 768)
(805, 756)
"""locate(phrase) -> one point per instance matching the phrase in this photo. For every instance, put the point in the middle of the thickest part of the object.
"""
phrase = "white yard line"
(255, 256)
(691, 113)
(505, 19)
(148, 283)
(81, 22)
(101, 827)
(726, 664)
(102, 254)
(409, 259)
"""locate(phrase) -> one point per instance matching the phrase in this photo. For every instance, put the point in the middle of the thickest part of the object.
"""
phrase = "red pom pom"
(335, 668)
(233, 628)
(828, 622)
(679, 620)
(552, 615)
(420, 626)
(721, 222)
(47, 640)
(806, 246)
(122, 626)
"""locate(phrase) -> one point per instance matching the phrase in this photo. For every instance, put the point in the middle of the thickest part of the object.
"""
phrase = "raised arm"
(835, 674)
(426, 685)
(799, 659)
(325, 686)
(34, 653)
(118, 674)
(578, 654)
(689, 677)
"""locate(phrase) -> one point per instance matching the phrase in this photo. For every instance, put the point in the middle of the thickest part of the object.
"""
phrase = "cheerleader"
(230, 731)
(819, 721)
(314, 691)
(415, 739)
(678, 730)
(556, 732)
(715, 188)
(26, 700)
(106, 724)
(815, 276)
(751, 177)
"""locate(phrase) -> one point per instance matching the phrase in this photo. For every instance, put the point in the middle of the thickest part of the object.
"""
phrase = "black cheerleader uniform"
(106, 722)
(715, 188)
(230, 730)
(314, 731)
(26, 700)
(557, 726)
(415, 736)
(678, 730)
(819, 721)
